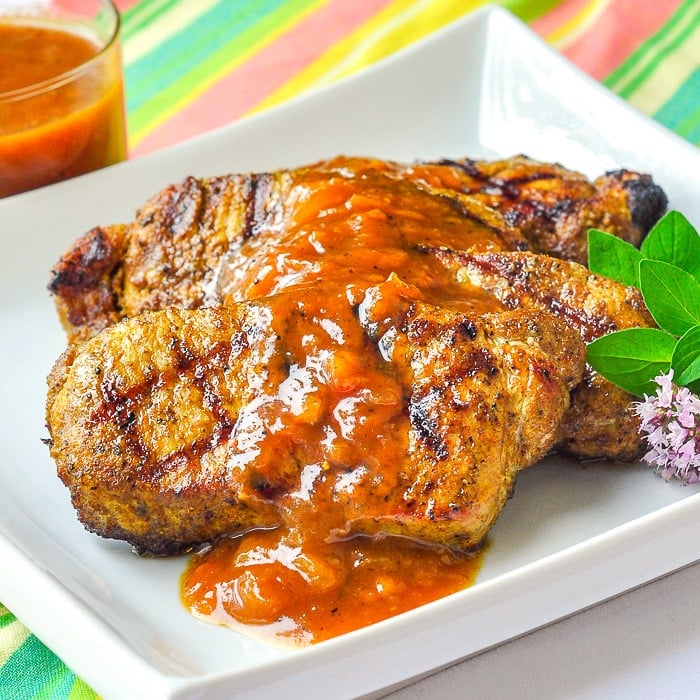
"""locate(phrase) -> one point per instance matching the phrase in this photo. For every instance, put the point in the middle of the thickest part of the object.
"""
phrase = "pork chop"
(389, 414)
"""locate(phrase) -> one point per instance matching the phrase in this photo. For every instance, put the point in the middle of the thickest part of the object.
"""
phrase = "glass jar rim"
(68, 76)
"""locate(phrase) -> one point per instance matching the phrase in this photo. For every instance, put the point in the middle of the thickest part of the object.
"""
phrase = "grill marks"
(181, 207)
(123, 408)
(509, 187)
(522, 278)
(531, 281)
(421, 411)
(180, 244)
(256, 192)
(191, 410)
(465, 358)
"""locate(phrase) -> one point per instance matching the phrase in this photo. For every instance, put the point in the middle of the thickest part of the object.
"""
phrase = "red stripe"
(124, 5)
(619, 31)
(266, 71)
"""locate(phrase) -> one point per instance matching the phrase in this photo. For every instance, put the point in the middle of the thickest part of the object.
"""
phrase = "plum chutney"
(312, 578)
(270, 586)
(342, 411)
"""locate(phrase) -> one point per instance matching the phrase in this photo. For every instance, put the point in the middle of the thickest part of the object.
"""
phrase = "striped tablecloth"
(194, 65)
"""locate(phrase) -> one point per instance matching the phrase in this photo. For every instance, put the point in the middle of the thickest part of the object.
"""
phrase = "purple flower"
(670, 424)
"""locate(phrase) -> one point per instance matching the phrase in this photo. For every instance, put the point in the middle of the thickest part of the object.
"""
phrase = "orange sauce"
(270, 586)
(329, 448)
(344, 431)
(68, 127)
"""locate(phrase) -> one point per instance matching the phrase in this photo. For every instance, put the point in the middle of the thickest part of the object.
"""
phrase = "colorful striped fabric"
(194, 65)
(191, 67)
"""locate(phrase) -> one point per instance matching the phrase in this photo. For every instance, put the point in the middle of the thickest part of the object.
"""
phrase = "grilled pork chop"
(384, 415)
(554, 207)
(312, 384)
(199, 242)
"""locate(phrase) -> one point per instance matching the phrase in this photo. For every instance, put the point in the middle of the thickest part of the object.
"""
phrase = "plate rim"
(172, 686)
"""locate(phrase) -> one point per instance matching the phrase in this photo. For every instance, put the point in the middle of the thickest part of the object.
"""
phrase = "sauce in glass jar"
(61, 103)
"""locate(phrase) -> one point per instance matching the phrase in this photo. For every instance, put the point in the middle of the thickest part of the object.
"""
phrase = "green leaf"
(672, 295)
(612, 257)
(674, 240)
(632, 358)
(686, 360)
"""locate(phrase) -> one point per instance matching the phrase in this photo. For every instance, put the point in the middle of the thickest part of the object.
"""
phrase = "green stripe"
(16, 683)
(6, 617)
(81, 691)
(148, 109)
(530, 10)
(641, 53)
(142, 14)
(53, 683)
(63, 686)
(654, 50)
(660, 56)
(682, 112)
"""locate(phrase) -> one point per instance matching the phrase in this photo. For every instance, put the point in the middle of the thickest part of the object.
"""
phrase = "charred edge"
(82, 270)
(427, 425)
(468, 166)
(468, 329)
(510, 187)
(255, 194)
(647, 202)
(532, 210)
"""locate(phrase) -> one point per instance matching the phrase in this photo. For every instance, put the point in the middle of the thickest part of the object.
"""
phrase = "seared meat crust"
(179, 426)
(187, 235)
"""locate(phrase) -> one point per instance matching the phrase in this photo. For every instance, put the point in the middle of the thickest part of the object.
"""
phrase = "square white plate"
(572, 536)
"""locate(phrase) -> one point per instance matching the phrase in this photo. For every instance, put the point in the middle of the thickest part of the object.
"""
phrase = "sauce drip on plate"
(273, 586)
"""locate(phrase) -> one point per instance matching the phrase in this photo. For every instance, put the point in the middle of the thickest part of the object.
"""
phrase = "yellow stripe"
(568, 32)
(177, 18)
(396, 26)
(12, 637)
(668, 74)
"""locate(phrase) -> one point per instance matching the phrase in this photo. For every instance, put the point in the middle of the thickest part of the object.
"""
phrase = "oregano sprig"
(666, 270)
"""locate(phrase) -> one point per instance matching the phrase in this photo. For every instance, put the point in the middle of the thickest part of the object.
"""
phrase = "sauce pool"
(61, 128)
(271, 586)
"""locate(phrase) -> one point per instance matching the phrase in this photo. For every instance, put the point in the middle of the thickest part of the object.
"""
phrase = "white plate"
(571, 537)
